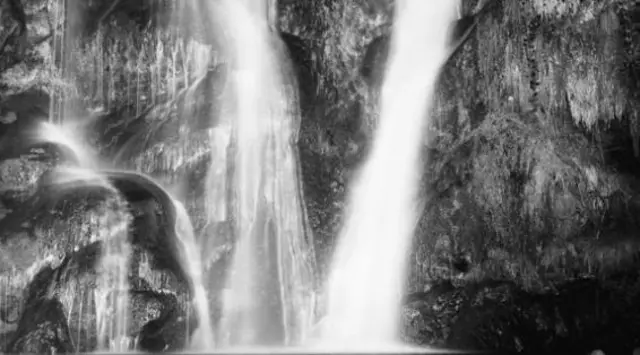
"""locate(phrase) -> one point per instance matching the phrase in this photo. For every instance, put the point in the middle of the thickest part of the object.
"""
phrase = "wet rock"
(6, 336)
(173, 140)
(302, 56)
(53, 223)
(168, 332)
(163, 318)
(160, 314)
(18, 179)
(23, 160)
(10, 310)
(375, 59)
(21, 114)
(431, 314)
(579, 316)
(42, 330)
(165, 246)
(65, 218)
(74, 284)
(8, 118)
(167, 136)
(57, 238)
(149, 304)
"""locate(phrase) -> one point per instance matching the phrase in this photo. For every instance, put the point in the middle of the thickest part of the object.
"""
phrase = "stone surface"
(520, 196)
(575, 317)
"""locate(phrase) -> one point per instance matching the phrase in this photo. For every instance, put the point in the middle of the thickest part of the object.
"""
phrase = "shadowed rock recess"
(528, 239)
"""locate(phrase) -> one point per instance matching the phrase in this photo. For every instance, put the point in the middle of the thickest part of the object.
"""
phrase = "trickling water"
(112, 295)
(268, 298)
(193, 263)
(67, 135)
(68, 23)
(112, 289)
(366, 281)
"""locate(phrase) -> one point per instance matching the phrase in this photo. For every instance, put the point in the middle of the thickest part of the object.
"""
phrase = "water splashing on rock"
(112, 291)
(112, 284)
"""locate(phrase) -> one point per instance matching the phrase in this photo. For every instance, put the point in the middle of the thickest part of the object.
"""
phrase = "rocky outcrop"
(519, 193)
(511, 154)
(70, 289)
(42, 330)
(50, 244)
(576, 317)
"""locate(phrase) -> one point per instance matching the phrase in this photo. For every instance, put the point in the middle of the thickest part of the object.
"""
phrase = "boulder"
(73, 287)
(42, 330)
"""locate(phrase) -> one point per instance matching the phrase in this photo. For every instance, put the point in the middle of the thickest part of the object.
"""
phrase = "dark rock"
(23, 158)
(148, 304)
(157, 235)
(54, 222)
(18, 179)
(168, 332)
(10, 309)
(374, 60)
(30, 108)
(38, 237)
(171, 138)
(173, 123)
(73, 284)
(428, 316)
(167, 248)
(5, 338)
(301, 56)
(42, 330)
(167, 328)
(577, 317)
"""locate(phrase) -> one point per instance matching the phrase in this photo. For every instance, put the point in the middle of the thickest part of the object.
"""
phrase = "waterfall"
(367, 275)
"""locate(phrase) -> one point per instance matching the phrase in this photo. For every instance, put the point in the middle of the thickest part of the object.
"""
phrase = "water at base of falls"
(367, 275)
(392, 349)
(301, 350)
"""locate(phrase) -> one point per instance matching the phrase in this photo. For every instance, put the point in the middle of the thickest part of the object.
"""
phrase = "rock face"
(518, 193)
(43, 330)
(577, 317)
(159, 125)
(50, 246)
(509, 157)
(70, 289)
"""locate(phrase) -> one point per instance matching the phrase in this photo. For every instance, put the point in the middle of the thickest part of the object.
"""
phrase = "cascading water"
(63, 103)
(268, 298)
(193, 263)
(366, 281)
(270, 282)
(112, 291)
(112, 286)
(63, 135)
